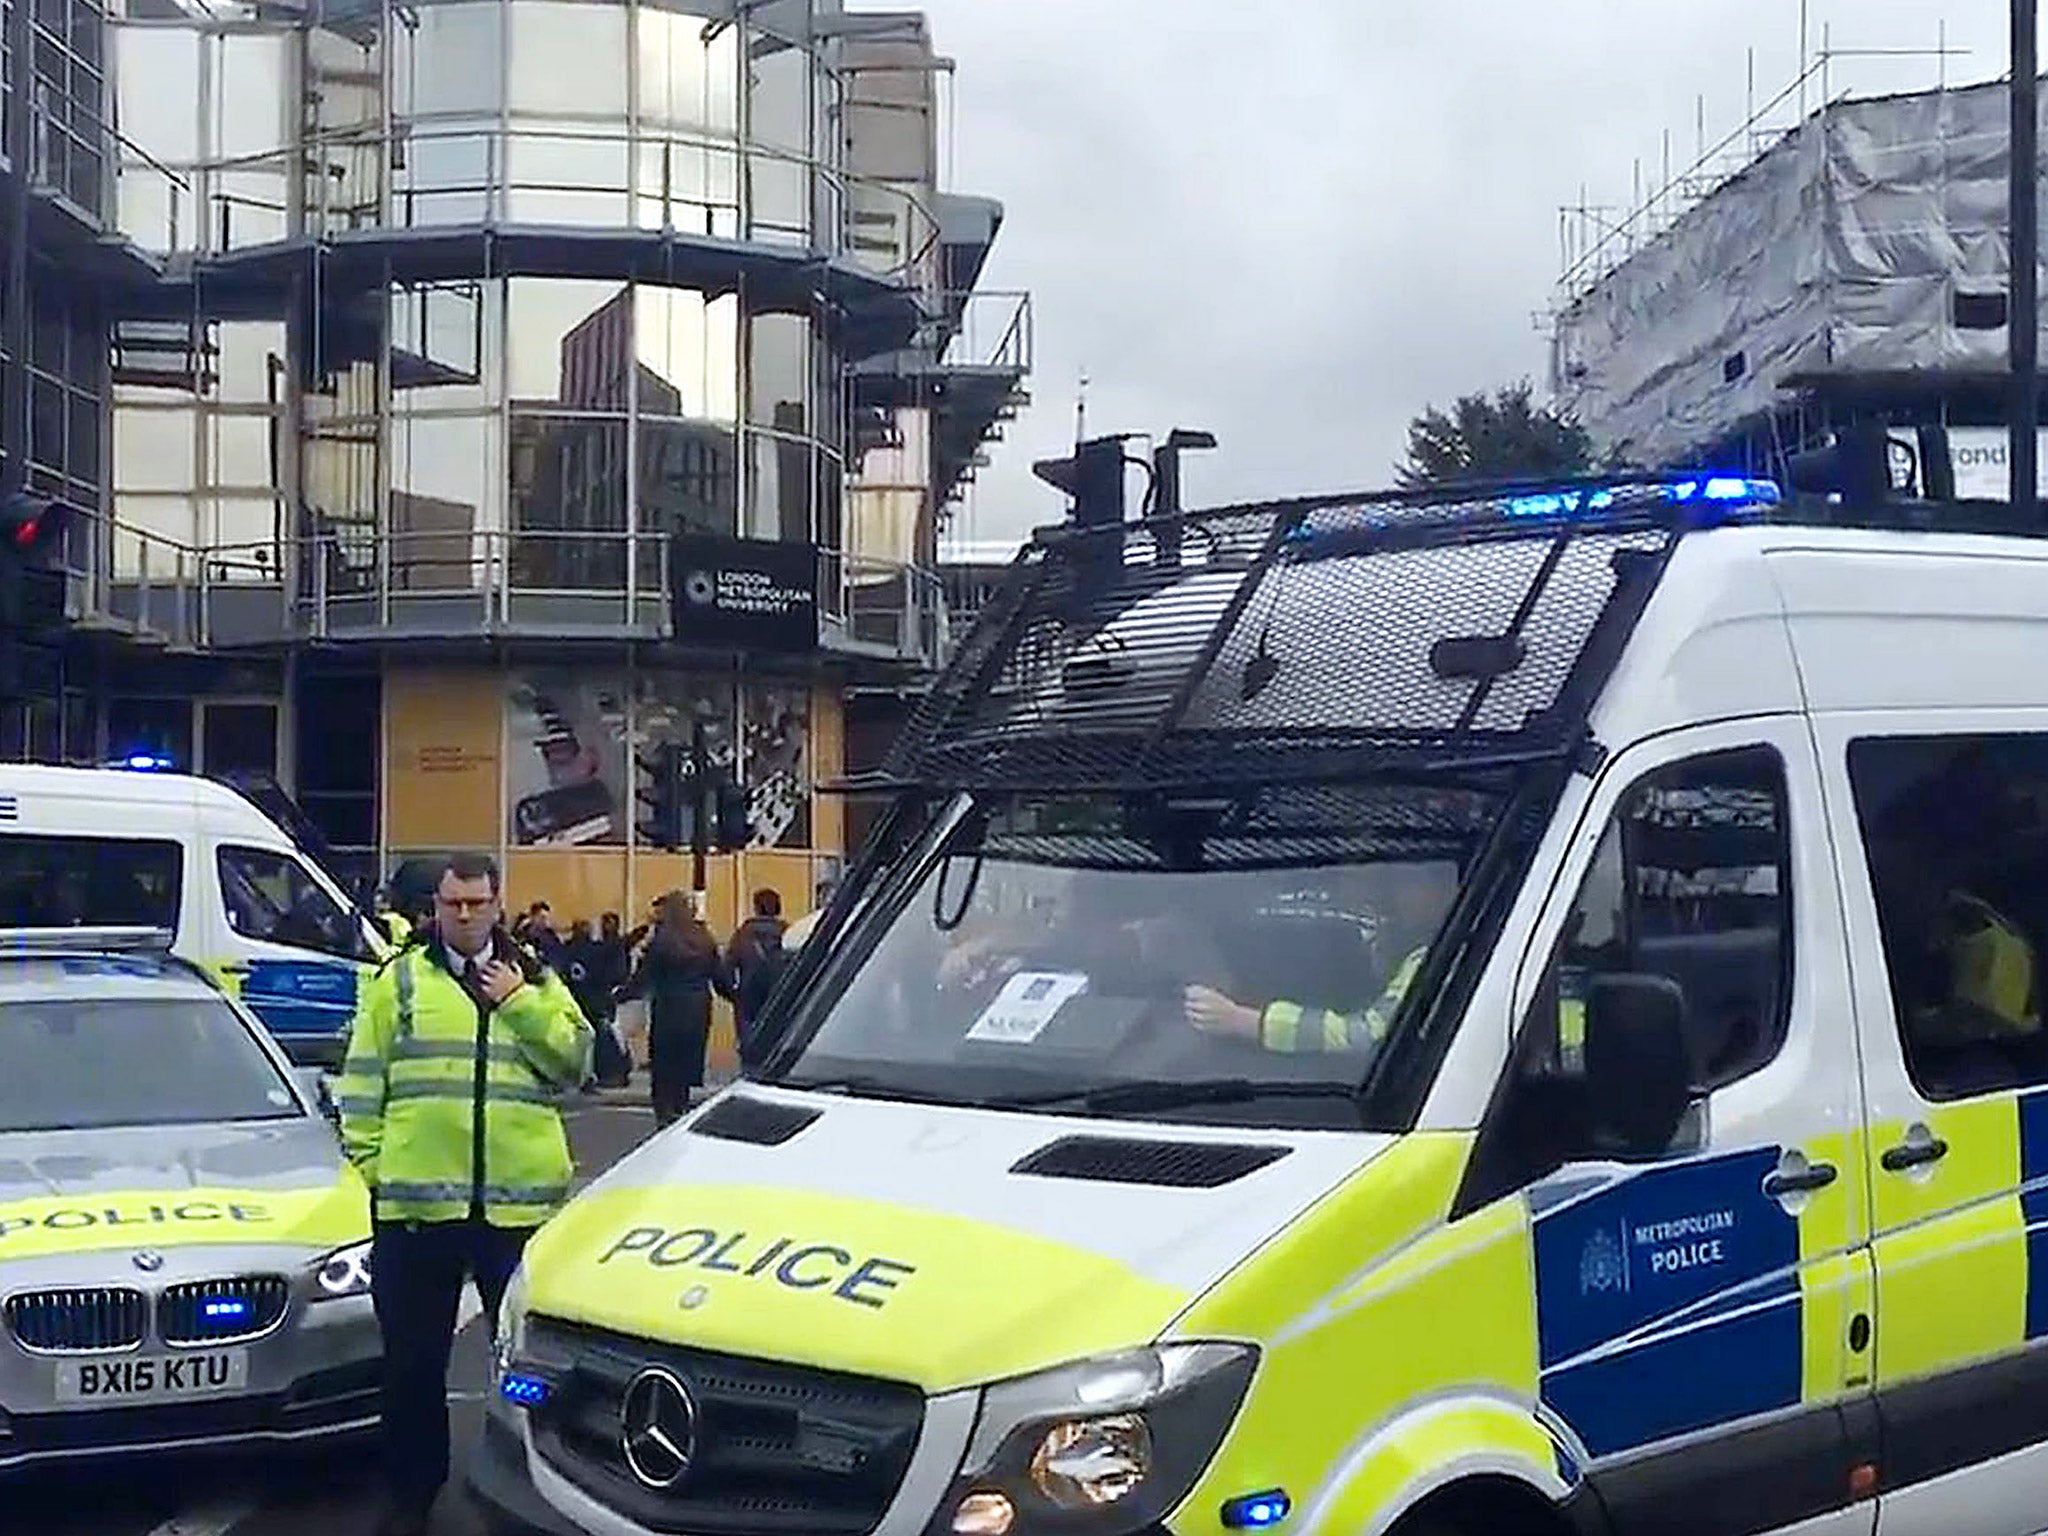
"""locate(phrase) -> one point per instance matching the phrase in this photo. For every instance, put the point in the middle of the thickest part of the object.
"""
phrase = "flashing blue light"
(225, 1309)
(1539, 506)
(143, 762)
(1257, 1511)
(526, 1391)
(1731, 488)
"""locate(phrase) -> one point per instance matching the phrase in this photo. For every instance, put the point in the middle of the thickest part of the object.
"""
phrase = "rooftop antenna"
(1081, 409)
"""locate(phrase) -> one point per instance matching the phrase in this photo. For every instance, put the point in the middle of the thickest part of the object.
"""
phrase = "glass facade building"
(402, 344)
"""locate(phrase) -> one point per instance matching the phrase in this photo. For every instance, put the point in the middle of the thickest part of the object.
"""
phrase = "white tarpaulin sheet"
(1841, 247)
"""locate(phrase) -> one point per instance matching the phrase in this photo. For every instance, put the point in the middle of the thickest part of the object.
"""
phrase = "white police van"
(145, 848)
(1416, 1014)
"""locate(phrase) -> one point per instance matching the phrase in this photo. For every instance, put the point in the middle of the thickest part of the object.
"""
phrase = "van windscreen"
(1072, 950)
(89, 882)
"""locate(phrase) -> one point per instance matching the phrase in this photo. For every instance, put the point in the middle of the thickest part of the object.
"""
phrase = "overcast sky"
(1296, 224)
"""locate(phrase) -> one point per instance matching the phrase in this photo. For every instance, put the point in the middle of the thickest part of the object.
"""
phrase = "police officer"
(448, 1107)
(1417, 902)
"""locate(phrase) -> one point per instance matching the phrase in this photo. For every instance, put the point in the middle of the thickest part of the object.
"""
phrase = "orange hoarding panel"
(441, 736)
(574, 885)
(828, 762)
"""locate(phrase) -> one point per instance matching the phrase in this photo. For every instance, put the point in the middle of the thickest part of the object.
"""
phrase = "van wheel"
(1484, 1507)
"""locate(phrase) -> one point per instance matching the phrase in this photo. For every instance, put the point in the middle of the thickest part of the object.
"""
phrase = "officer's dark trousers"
(416, 1278)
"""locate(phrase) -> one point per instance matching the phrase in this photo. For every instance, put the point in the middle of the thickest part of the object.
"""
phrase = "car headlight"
(510, 1324)
(1111, 1444)
(344, 1272)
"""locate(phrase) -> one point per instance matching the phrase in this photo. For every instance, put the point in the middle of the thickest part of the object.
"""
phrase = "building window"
(1955, 829)
(1734, 367)
(1980, 311)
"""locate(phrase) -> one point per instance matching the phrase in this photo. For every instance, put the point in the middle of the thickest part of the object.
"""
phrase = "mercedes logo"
(149, 1263)
(657, 1428)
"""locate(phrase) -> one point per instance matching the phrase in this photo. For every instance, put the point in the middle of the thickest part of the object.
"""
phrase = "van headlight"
(1113, 1444)
(343, 1273)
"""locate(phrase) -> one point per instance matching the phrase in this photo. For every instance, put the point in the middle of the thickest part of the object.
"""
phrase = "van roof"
(128, 785)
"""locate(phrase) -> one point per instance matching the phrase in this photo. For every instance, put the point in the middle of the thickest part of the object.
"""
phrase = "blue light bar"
(225, 1307)
(143, 762)
(1724, 489)
(523, 1390)
(1257, 1511)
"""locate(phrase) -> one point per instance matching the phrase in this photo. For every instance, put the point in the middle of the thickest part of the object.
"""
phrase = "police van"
(1520, 1013)
(138, 847)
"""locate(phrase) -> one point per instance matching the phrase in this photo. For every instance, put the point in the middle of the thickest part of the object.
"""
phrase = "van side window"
(1691, 882)
(271, 897)
(73, 882)
(1955, 829)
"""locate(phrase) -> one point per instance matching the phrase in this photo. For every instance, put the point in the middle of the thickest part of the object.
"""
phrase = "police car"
(184, 1253)
(1397, 1014)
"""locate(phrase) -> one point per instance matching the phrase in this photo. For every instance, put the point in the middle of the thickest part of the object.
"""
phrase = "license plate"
(153, 1378)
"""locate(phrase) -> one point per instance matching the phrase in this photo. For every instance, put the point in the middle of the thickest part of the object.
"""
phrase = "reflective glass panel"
(687, 348)
(689, 73)
(689, 477)
(449, 59)
(571, 342)
(569, 59)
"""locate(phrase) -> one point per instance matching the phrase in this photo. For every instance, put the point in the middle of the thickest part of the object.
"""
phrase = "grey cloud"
(1296, 224)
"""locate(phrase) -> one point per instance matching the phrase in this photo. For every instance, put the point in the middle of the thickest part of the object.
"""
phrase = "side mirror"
(1639, 1071)
(314, 1082)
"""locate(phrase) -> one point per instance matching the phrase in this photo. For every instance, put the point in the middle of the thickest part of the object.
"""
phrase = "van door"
(1703, 1304)
(300, 952)
(1942, 837)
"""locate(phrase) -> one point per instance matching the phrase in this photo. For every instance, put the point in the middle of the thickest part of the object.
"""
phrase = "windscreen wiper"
(1172, 1095)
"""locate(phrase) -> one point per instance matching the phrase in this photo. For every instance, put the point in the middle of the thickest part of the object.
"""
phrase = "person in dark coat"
(590, 978)
(754, 963)
(677, 975)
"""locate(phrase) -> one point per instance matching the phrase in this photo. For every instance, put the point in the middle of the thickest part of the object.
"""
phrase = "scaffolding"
(1838, 252)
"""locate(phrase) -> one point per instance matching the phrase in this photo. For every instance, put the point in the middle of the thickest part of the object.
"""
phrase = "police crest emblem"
(1601, 1266)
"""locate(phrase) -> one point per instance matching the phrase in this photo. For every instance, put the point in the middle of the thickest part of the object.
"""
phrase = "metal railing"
(883, 605)
(993, 330)
(345, 580)
(98, 169)
(709, 184)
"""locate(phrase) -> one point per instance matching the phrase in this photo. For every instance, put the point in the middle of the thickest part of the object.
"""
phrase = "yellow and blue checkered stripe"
(2033, 1116)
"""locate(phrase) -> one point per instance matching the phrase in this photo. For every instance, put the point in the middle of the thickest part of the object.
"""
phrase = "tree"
(1505, 437)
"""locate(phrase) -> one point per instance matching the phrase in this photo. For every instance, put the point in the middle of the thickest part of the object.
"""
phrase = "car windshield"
(79, 1064)
(1241, 955)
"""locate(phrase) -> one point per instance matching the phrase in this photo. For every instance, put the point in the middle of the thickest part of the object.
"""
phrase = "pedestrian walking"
(677, 974)
(587, 962)
(754, 962)
(448, 1109)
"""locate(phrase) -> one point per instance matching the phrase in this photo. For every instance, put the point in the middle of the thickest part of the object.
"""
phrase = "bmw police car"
(184, 1253)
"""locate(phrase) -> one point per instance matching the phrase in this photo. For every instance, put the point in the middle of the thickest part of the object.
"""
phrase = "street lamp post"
(2023, 321)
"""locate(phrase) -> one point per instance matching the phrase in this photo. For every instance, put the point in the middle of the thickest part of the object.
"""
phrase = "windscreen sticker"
(1024, 1007)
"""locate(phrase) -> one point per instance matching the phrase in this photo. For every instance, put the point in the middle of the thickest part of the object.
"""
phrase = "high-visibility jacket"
(1285, 1026)
(396, 927)
(449, 1106)
(1991, 965)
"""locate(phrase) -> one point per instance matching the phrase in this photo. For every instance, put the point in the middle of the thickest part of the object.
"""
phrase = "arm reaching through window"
(1290, 1027)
